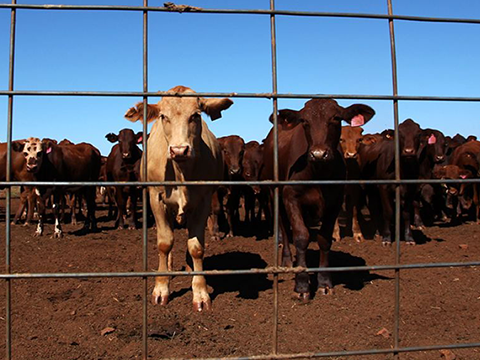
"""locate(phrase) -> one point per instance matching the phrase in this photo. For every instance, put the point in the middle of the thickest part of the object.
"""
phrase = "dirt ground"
(65, 318)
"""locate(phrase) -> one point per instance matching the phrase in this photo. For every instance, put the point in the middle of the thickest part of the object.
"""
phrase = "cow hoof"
(303, 297)
(410, 242)
(215, 238)
(132, 227)
(200, 306)
(162, 300)
(418, 227)
(287, 263)
(229, 235)
(27, 224)
(57, 235)
(386, 243)
(325, 290)
(336, 239)
(358, 238)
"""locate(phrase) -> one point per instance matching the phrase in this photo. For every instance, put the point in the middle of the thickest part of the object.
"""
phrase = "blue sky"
(99, 50)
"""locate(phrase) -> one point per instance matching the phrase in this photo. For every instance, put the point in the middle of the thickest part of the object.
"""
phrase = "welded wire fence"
(275, 270)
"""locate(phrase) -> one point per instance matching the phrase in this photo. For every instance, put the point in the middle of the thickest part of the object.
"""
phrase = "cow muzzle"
(320, 155)
(439, 158)
(408, 152)
(180, 153)
(350, 155)
(126, 155)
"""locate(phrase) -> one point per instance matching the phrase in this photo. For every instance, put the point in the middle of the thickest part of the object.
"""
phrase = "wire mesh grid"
(9, 277)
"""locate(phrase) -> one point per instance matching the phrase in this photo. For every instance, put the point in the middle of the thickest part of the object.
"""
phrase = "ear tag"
(358, 120)
(463, 176)
(139, 140)
(432, 140)
(49, 150)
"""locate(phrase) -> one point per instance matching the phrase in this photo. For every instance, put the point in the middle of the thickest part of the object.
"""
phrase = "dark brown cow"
(454, 191)
(47, 161)
(308, 150)
(378, 162)
(122, 165)
(233, 147)
(351, 140)
(465, 157)
(252, 165)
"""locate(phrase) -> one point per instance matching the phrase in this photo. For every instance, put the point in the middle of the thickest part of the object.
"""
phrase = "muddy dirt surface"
(101, 318)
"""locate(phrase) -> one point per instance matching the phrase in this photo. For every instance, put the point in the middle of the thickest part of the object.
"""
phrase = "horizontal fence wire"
(275, 270)
(266, 271)
(193, 9)
(239, 183)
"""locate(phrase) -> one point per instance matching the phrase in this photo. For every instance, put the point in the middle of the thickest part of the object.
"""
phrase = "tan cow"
(181, 148)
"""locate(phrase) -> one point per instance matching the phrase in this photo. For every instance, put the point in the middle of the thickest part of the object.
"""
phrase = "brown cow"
(308, 150)
(252, 164)
(233, 147)
(121, 166)
(181, 148)
(351, 140)
(48, 161)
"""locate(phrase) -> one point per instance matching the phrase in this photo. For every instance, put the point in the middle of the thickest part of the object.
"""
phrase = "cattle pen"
(275, 271)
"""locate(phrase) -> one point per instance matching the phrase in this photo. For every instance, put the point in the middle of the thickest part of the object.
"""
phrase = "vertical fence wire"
(144, 188)
(396, 331)
(275, 176)
(8, 283)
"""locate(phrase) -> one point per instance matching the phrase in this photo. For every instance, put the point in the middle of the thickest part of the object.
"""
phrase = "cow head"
(321, 120)
(127, 141)
(33, 150)
(453, 191)
(436, 145)
(181, 120)
(410, 138)
(350, 140)
(233, 147)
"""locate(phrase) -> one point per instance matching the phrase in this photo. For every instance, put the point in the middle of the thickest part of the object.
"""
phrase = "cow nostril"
(319, 154)
(179, 151)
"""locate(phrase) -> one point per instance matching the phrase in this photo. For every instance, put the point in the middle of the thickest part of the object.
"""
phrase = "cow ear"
(439, 172)
(214, 107)
(287, 116)
(18, 146)
(139, 137)
(357, 114)
(113, 138)
(136, 113)
(48, 145)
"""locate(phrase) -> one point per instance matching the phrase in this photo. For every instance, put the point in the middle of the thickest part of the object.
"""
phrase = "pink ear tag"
(463, 176)
(358, 120)
(432, 140)
(49, 150)
(140, 139)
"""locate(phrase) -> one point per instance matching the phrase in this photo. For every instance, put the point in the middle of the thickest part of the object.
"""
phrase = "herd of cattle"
(312, 146)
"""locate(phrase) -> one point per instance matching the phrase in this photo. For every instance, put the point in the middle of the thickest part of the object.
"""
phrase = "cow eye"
(25, 153)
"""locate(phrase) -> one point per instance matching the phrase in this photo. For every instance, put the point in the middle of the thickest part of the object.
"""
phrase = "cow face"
(233, 147)
(436, 145)
(350, 140)
(453, 191)
(181, 120)
(410, 136)
(33, 150)
(127, 142)
(321, 120)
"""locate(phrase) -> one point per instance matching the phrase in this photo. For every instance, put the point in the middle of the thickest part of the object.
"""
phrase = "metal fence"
(9, 277)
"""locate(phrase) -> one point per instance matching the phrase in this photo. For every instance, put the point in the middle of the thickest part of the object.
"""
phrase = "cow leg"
(32, 199)
(325, 284)
(408, 206)
(301, 238)
(336, 231)
(357, 231)
(196, 248)
(21, 208)
(90, 219)
(72, 198)
(164, 225)
(232, 210)
(121, 203)
(213, 226)
(58, 233)
(132, 225)
(41, 215)
(387, 215)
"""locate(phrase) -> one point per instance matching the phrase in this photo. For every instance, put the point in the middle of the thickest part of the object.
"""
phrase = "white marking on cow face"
(33, 152)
